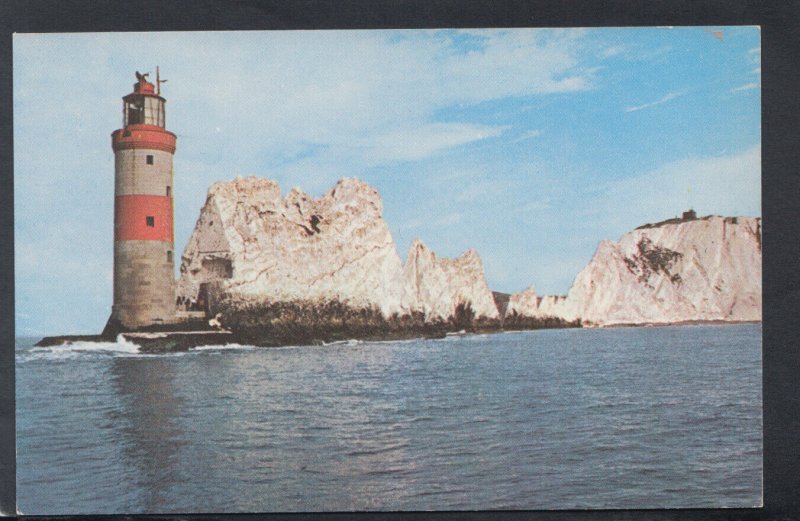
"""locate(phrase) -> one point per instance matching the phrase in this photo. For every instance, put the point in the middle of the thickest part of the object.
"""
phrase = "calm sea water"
(592, 418)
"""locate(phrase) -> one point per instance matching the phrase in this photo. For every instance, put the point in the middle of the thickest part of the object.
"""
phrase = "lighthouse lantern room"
(144, 268)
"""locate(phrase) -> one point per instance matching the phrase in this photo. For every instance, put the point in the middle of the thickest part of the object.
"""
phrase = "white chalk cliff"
(528, 304)
(262, 248)
(525, 303)
(296, 248)
(441, 285)
(706, 269)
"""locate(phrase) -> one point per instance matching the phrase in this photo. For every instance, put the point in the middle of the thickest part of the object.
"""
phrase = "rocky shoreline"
(306, 323)
(172, 341)
(175, 341)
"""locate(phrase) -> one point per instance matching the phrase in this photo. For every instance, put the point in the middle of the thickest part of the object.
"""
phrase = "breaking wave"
(72, 350)
(350, 342)
(222, 347)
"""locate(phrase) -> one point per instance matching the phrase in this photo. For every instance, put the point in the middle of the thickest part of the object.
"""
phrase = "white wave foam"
(120, 347)
(351, 342)
(222, 347)
(389, 342)
(123, 347)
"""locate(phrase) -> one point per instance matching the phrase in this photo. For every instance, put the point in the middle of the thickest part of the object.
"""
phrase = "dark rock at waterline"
(180, 341)
(282, 323)
(516, 321)
(304, 323)
(50, 341)
(151, 342)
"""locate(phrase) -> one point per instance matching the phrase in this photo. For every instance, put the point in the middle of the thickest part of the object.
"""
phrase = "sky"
(528, 145)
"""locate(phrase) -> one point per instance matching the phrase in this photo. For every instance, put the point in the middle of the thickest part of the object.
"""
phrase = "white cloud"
(668, 97)
(754, 57)
(269, 90)
(420, 142)
(528, 135)
(608, 52)
(727, 185)
(746, 86)
(339, 88)
(648, 54)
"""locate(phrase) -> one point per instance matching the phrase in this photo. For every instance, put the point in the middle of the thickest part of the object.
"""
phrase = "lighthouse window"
(134, 112)
(150, 220)
(169, 191)
(153, 111)
(149, 160)
(169, 256)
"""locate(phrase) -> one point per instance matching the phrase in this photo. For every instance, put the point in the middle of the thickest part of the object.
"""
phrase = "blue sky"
(528, 145)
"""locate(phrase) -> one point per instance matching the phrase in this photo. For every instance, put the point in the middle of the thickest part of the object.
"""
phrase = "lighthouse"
(144, 244)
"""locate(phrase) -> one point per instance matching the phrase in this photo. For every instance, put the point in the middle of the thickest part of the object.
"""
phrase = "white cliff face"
(525, 303)
(263, 248)
(528, 304)
(698, 270)
(553, 306)
(441, 285)
(270, 249)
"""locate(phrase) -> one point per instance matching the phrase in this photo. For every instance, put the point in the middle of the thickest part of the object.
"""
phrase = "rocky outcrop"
(308, 269)
(447, 288)
(527, 310)
(304, 269)
(706, 269)
(256, 247)
(523, 303)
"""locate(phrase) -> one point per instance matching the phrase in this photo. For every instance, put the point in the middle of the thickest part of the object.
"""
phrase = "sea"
(646, 417)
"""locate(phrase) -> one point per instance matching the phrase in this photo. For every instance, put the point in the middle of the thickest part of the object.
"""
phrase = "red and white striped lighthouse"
(144, 267)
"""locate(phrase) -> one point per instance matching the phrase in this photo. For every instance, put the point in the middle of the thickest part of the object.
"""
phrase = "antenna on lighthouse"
(159, 81)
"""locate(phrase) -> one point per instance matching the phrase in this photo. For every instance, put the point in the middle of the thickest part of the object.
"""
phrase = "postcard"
(388, 270)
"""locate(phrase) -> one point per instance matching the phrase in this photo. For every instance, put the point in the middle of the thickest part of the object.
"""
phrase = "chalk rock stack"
(444, 286)
(274, 249)
(312, 266)
(300, 258)
(528, 303)
(529, 310)
(706, 269)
